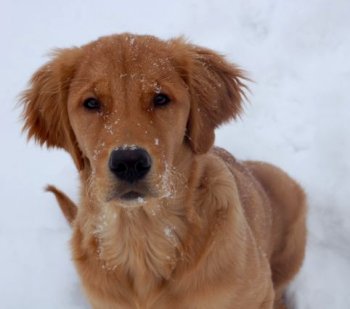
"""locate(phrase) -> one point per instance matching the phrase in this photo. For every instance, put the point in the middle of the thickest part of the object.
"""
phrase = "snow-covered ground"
(298, 54)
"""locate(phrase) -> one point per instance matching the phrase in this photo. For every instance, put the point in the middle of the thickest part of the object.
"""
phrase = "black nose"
(130, 163)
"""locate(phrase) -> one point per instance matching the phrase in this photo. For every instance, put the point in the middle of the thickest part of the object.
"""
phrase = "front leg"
(225, 298)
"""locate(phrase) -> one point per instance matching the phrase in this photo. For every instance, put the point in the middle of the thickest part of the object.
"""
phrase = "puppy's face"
(129, 109)
(128, 106)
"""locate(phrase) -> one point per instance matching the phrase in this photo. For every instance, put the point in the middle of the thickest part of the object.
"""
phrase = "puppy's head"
(129, 109)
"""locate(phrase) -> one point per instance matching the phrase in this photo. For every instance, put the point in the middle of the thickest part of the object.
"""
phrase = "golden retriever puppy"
(165, 220)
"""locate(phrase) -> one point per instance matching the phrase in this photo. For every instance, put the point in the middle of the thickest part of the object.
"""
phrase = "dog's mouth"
(141, 192)
(132, 195)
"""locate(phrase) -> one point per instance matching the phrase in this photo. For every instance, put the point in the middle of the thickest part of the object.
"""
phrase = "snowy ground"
(298, 117)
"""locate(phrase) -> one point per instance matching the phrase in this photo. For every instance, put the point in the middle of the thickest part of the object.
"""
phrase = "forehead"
(140, 59)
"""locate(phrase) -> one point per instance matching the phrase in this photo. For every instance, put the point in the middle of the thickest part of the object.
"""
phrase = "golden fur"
(211, 232)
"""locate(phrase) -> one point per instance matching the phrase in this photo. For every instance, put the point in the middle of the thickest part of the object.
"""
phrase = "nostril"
(142, 166)
(121, 167)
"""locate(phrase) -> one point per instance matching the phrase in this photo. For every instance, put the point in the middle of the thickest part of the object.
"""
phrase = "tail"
(67, 206)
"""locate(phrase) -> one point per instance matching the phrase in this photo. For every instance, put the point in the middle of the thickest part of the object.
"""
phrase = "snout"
(129, 163)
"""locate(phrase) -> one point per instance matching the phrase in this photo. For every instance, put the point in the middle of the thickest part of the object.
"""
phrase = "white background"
(298, 54)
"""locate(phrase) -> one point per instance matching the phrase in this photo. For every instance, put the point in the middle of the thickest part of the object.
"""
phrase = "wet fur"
(215, 232)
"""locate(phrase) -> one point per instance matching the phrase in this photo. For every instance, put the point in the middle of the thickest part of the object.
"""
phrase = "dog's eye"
(161, 99)
(92, 104)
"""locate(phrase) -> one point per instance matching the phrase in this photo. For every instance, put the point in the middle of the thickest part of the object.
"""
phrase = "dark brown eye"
(161, 99)
(92, 104)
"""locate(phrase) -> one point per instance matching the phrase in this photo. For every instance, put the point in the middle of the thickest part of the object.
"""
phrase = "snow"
(126, 147)
(297, 52)
(168, 231)
(140, 200)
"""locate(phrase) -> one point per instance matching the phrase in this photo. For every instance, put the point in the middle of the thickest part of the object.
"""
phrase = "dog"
(165, 219)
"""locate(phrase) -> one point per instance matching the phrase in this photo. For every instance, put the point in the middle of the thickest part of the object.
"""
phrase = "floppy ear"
(216, 90)
(45, 104)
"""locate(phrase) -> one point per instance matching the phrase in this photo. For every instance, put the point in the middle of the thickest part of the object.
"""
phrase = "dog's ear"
(216, 89)
(45, 104)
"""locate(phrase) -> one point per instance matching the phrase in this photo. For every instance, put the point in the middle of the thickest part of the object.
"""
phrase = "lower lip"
(132, 196)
